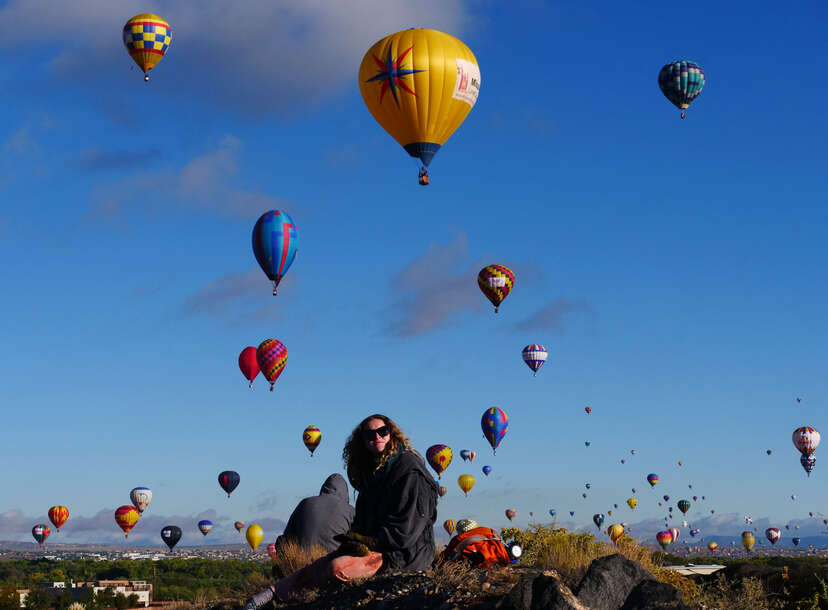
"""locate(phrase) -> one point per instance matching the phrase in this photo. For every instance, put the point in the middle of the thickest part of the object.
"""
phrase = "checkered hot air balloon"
(495, 424)
(681, 82)
(496, 282)
(311, 436)
(439, 457)
(272, 357)
(147, 38)
(534, 356)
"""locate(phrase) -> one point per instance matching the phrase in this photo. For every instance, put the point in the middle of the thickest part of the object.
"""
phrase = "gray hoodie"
(316, 520)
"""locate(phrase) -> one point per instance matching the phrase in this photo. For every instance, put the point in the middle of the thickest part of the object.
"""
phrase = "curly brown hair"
(359, 462)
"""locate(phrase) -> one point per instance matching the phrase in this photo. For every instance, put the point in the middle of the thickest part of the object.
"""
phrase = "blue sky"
(673, 269)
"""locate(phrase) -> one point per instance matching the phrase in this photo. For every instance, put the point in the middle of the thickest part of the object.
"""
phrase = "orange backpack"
(481, 546)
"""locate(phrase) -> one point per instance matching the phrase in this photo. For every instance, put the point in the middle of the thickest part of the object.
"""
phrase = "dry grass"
(722, 594)
(291, 556)
(571, 554)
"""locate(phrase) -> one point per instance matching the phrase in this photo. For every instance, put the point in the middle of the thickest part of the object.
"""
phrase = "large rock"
(609, 581)
(654, 595)
(543, 591)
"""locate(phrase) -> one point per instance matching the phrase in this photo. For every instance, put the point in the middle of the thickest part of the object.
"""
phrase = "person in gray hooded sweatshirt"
(316, 520)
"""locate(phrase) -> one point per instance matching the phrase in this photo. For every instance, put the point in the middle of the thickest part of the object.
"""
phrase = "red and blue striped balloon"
(275, 241)
(494, 423)
(534, 356)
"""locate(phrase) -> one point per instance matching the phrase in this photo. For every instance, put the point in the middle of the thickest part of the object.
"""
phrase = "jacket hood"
(335, 485)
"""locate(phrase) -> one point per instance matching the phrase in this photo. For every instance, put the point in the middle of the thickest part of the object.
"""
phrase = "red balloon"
(248, 364)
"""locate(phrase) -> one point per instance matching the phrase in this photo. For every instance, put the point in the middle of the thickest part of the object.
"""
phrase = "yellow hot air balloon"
(615, 532)
(254, 535)
(419, 85)
(632, 502)
(147, 38)
(466, 482)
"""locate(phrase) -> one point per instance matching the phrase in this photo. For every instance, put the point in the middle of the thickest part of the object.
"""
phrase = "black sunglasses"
(381, 432)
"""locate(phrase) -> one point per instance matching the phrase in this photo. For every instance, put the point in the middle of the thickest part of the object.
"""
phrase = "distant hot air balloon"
(311, 436)
(806, 440)
(271, 551)
(487, 470)
(552, 512)
(126, 517)
(674, 532)
(254, 535)
(652, 479)
(248, 364)
(683, 506)
(534, 356)
(495, 424)
(205, 526)
(171, 534)
(665, 539)
(496, 282)
(584, 494)
(140, 498)
(694, 532)
(239, 525)
(598, 520)
(272, 357)
(769, 452)
(748, 540)
(511, 513)
(439, 457)
(795, 540)
(695, 498)
(419, 85)
(666, 497)
(615, 532)
(275, 242)
(712, 546)
(466, 482)
(588, 485)
(772, 534)
(623, 461)
(680, 463)
(632, 502)
(587, 443)
(798, 399)
(40, 532)
(443, 491)
(147, 38)
(588, 410)
(681, 82)
(449, 525)
(609, 513)
(572, 513)
(229, 480)
(58, 516)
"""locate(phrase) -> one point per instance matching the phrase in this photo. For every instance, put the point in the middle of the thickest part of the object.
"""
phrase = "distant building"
(139, 588)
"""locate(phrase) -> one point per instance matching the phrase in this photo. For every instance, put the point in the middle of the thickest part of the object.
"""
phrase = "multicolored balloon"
(275, 242)
(58, 516)
(449, 525)
(171, 534)
(439, 457)
(239, 525)
(466, 482)
(683, 506)
(311, 436)
(443, 491)
(205, 526)
(588, 410)
(694, 532)
(652, 479)
(147, 38)
(419, 85)
(487, 470)
(495, 424)
(229, 480)
(496, 282)
(140, 498)
(534, 356)
(464, 525)
(806, 440)
(511, 513)
(674, 532)
(126, 517)
(712, 546)
(40, 532)
(681, 82)
(665, 539)
(248, 364)
(272, 357)
(254, 535)
(773, 534)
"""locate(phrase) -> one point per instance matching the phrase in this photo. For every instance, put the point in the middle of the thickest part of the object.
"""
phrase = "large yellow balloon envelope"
(419, 84)
(615, 532)
(147, 38)
(254, 535)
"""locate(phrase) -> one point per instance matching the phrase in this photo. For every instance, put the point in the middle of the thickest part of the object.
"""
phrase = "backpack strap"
(462, 545)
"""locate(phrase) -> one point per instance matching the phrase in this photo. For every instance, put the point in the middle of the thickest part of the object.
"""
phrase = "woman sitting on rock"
(395, 512)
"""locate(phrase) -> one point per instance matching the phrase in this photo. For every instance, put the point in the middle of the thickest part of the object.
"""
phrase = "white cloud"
(260, 56)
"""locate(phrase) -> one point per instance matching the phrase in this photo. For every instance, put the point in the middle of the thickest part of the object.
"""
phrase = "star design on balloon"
(391, 74)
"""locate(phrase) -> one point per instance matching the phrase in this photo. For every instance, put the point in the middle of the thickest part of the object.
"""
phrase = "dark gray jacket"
(398, 507)
(316, 520)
